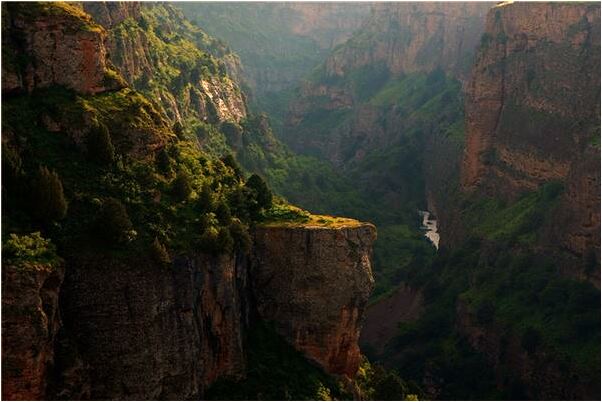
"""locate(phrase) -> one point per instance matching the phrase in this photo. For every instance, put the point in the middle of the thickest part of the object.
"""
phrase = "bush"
(531, 339)
(181, 186)
(223, 213)
(229, 161)
(159, 253)
(48, 201)
(113, 223)
(241, 237)
(233, 133)
(206, 202)
(100, 146)
(163, 162)
(263, 195)
(28, 247)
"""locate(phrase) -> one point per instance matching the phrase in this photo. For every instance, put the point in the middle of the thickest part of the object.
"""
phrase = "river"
(430, 228)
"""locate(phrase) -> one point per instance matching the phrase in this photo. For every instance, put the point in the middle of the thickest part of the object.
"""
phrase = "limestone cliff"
(410, 37)
(146, 43)
(314, 284)
(533, 100)
(532, 111)
(123, 324)
(360, 83)
(51, 47)
(30, 322)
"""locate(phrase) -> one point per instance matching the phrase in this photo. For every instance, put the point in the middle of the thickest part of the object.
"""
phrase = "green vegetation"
(100, 146)
(509, 290)
(276, 371)
(48, 201)
(29, 248)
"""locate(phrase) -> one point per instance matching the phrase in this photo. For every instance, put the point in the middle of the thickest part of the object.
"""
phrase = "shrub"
(241, 237)
(263, 194)
(159, 253)
(48, 201)
(28, 247)
(163, 162)
(181, 186)
(225, 242)
(229, 161)
(178, 130)
(100, 146)
(113, 223)
(233, 133)
(223, 213)
(206, 201)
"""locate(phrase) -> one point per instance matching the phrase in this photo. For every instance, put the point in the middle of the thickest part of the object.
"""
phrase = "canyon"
(485, 115)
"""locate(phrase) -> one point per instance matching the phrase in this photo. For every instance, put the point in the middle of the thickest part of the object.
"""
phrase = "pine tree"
(181, 186)
(163, 162)
(100, 146)
(113, 222)
(262, 191)
(48, 201)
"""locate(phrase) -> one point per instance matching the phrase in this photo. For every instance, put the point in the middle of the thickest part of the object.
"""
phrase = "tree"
(233, 133)
(262, 192)
(163, 162)
(223, 213)
(531, 339)
(206, 201)
(159, 252)
(178, 129)
(181, 186)
(113, 223)
(100, 146)
(229, 161)
(241, 237)
(48, 201)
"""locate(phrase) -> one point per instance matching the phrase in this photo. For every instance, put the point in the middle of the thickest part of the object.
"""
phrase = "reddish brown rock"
(30, 322)
(63, 47)
(314, 284)
(532, 104)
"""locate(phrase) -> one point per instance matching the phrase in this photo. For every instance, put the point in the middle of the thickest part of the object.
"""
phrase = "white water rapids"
(430, 228)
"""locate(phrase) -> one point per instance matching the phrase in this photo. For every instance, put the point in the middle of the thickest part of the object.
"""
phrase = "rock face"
(144, 332)
(56, 46)
(532, 112)
(30, 322)
(314, 284)
(410, 37)
(184, 88)
(398, 39)
(533, 100)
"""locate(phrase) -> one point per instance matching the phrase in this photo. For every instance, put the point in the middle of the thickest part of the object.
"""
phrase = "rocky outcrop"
(313, 284)
(30, 322)
(58, 45)
(532, 104)
(146, 332)
(153, 63)
(410, 37)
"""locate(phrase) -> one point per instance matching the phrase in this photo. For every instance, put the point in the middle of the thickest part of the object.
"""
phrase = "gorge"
(160, 162)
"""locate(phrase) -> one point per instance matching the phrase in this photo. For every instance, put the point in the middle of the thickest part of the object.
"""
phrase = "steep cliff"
(67, 54)
(314, 284)
(30, 322)
(154, 239)
(161, 54)
(532, 110)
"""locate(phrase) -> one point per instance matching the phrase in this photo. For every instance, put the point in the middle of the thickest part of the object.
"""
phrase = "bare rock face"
(410, 37)
(63, 47)
(314, 284)
(109, 14)
(30, 322)
(144, 332)
(533, 100)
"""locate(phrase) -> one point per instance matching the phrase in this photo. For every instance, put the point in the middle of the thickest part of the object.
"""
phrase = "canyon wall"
(120, 325)
(532, 112)
(314, 284)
